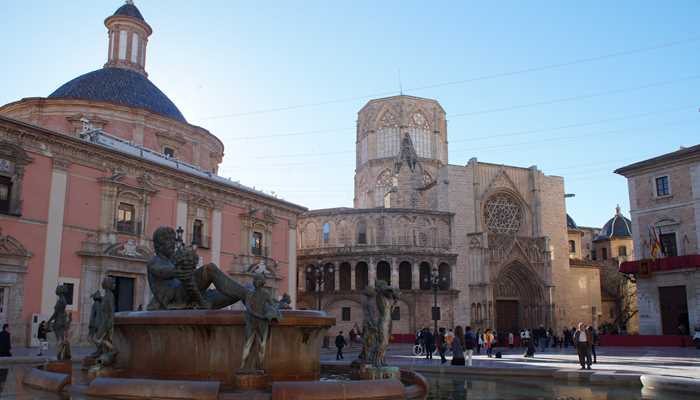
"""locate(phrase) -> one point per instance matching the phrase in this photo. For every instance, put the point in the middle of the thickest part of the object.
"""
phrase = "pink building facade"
(89, 172)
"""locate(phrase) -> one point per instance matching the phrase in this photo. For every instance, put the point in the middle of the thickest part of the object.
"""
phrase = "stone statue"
(261, 309)
(386, 298)
(176, 283)
(95, 315)
(369, 325)
(285, 303)
(103, 337)
(59, 324)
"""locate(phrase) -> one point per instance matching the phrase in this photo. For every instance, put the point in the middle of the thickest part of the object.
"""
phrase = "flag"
(654, 245)
(662, 247)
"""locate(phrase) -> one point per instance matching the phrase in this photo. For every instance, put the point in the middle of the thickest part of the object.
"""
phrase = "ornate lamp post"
(316, 272)
(435, 280)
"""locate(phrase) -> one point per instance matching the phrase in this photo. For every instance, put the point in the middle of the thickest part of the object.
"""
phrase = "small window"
(326, 232)
(594, 256)
(69, 292)
(5, 191)
(125, 218)
(622, 251)
(668, 244)
(662, 188)
(604, 253)
(169, 152)
(197, 238)
(361, 232)
(346, 313)
(396, 314)
(256, 244)
(572, 246)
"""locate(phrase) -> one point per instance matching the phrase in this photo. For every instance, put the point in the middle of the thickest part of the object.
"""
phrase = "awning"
(662, 264)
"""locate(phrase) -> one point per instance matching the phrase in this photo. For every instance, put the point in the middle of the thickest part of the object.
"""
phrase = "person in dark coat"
(5, 342)
(441, 345)
(339, 344)
(429, 343)
(41, 336)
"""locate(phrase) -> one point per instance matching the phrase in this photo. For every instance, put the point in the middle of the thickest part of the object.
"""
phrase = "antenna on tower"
(400, 85)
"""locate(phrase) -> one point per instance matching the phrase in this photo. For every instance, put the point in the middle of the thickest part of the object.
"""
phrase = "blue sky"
(576, 89)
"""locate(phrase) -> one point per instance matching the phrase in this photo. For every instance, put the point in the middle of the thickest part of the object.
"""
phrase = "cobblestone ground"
(671, 361)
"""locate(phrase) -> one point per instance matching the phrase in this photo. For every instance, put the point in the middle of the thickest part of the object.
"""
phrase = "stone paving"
(669, 361)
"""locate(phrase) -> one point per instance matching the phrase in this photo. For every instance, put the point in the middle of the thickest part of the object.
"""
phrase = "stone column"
(216, 237)
(181, 216)
(292, 273)
(415, 276)
(371, 272)
(394, 273)
(336, 276)
(352, 277)
(54, 235)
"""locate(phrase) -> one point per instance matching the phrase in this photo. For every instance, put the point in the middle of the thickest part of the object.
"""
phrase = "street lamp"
(435, 280)
(316, 272)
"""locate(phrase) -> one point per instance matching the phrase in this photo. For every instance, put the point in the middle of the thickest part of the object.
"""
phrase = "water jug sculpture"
(176, 283)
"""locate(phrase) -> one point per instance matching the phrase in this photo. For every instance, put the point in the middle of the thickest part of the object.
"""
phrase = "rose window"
(503, 214)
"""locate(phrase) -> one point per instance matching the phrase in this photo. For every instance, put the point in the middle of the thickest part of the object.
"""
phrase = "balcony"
(128, 227)
(646, 266)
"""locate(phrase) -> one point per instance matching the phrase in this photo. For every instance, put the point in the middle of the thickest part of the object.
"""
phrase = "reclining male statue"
(176, 283)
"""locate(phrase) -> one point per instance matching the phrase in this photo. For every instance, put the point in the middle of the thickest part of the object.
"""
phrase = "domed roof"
(570, 223)
(129, 10)
(120, 86)
(617, 227)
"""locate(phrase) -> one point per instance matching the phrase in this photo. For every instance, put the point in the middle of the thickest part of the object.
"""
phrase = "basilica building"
(487, 242)
(90, 171)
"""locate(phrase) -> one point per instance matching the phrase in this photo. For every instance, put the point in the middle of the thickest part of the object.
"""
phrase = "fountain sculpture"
(186, 346)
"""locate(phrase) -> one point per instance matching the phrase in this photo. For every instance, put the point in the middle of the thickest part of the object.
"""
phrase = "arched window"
(503, 214)
(622, 251)
(361, 276)
(384, 272)
(572, 246)
(478, 311)
(405, 276)
(362, 232)
(384, 183)
(445, 274)
(326, 233)
(310, 281)
(329, 277)
(345, 276)
(473, 318)
(424, 275)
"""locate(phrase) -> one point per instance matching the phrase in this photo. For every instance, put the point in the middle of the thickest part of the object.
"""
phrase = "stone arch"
(326, 232)
(404, 227)
(14, 258)
(521, 299)
(309, 235)
(310, 282)
(424, 270)
(329, 271)
(344, 234)
(345, 271)
(384, 272)
(405, 275)
(361, 275)
(445, 272)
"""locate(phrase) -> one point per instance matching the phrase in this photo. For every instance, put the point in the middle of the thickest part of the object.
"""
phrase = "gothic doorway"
(520, 299)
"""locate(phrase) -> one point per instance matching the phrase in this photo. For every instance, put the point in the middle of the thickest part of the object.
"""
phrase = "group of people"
(355, 336)
(461, 342)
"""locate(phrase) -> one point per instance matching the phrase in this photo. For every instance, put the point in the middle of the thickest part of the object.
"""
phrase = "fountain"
(187, 347)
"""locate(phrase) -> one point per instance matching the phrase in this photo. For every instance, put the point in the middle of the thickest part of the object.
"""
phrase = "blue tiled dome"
(570, 223)
(129, 10)
(617, 227)
(120, 86)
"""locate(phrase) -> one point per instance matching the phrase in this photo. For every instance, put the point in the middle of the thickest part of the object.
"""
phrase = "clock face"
(418, 119)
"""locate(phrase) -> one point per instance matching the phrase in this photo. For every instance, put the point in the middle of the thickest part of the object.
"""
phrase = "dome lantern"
(128, 36)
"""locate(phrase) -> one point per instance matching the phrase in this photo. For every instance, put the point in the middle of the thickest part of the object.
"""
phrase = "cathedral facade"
(486, 242)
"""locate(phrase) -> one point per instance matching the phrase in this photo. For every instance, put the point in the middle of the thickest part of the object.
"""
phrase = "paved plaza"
(669, 361)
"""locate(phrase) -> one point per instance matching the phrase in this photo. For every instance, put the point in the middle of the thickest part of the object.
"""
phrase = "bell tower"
(401, 144)
(128, 36)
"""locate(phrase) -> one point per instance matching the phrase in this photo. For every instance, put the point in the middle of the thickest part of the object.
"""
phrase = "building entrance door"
(674, 309)
(507, 318)
(123, 293)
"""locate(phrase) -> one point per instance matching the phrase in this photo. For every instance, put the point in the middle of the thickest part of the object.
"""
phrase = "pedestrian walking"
(428, 343)
(469, 344)
(41, 337)
(339, 344)
(5, 342)
(542, 334)
(593, 335)
(511, 340)
(458, 346)
(441, 345)
(488, 342)
(449, 336)
(582, 341)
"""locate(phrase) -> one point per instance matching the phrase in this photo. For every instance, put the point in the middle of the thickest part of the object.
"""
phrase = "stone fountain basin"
(207, 345)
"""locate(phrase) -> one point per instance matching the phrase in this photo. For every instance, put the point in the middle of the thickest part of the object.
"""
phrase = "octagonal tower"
(401, 144)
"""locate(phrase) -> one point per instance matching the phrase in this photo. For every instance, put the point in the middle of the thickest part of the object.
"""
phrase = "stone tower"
(401, 145)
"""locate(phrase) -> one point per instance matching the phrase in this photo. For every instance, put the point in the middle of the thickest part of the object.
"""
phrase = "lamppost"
(435, 279)
(316, 272)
